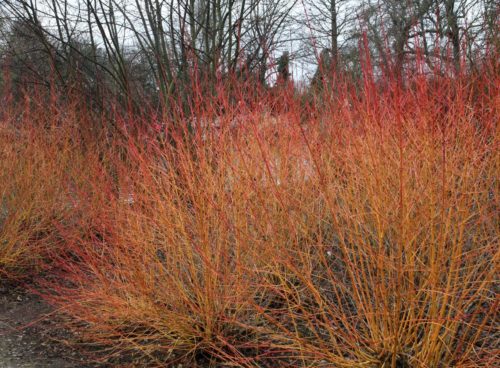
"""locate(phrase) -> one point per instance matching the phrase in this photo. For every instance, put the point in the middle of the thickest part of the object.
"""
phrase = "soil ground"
(29, 335)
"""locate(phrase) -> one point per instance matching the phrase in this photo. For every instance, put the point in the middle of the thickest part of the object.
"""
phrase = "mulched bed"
(30, 333)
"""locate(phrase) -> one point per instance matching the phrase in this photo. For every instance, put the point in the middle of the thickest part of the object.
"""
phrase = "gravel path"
(28, 336)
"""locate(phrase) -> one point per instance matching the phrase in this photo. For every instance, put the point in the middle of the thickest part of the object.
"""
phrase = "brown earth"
(30, 336)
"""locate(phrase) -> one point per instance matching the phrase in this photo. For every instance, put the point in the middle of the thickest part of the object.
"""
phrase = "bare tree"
(176, 39)
(327, 21)
(157, 49)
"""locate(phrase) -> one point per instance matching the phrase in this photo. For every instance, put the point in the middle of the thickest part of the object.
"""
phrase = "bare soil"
(30, 335)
